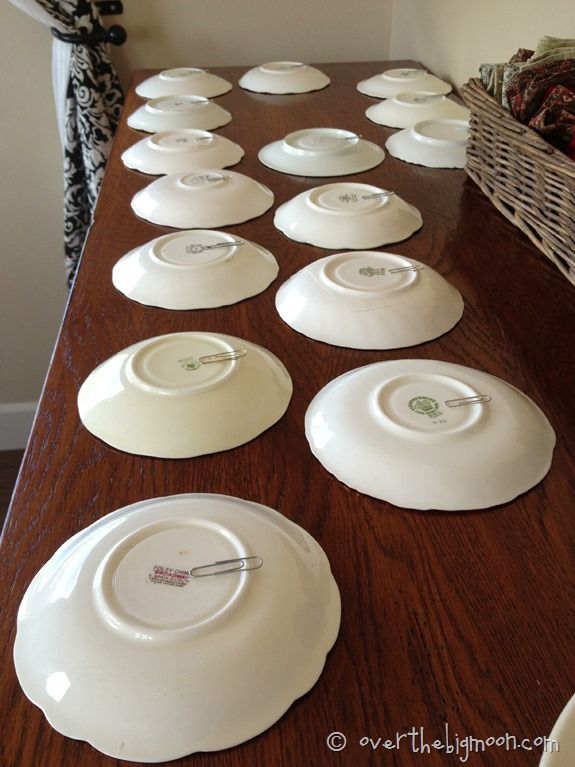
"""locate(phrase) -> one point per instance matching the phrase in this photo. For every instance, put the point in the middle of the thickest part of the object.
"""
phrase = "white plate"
(347, 215)
(321, 152)
(174, 112)
(122, 645)
(182, 150)
(433, 143)
(196, 269)
(563, 736)
(205, 200)
(168, 397)
(183, 81)
(407, 109)
(386, 430)
(369, 300)
(394, 81)
(283, 77)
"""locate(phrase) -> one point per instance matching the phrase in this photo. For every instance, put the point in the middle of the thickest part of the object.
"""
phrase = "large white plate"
(174, 112)
(184, 394)
(180, 151)
(433, 143)
(369, 300)
(195, 269)
(321, 152)
(120, 643)
(183, 81)
(407, 109)
(207, 199)
(347, 215)
(283, 77)
(398, 431)
(394, 81)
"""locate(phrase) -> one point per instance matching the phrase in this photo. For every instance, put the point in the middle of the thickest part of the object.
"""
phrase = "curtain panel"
(89, 102)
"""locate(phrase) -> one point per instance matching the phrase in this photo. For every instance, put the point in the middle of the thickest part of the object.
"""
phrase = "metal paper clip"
(427, 97)
(376, 194)
(477, 399)
(196, 247)
(193, 139)
(193, 363)
(223, 566)
(209, 177)
(412, 268)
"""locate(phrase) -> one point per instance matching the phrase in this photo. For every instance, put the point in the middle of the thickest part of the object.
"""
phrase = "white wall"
(32, 279)
(453, 37)
(166, 33)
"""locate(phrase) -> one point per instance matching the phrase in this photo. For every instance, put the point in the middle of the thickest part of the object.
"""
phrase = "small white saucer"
(183, 81)
(394, 81)
(184, 394)
(206, 200)
(283, 77)
(347, 215)
(174, 112)
(369, 300)
(321, 152)
(433, 143)
(180, 151)
(423, 434)
(196, 269)
(407, 109)
(177, 625)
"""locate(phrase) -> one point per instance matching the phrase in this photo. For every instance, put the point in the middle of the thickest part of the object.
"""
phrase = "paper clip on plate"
(240, 564)
(477, 399)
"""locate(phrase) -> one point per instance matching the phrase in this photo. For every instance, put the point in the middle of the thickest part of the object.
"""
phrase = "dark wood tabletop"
(455, 625)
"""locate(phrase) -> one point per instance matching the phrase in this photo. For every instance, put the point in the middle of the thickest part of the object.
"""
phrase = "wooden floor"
(9, 465)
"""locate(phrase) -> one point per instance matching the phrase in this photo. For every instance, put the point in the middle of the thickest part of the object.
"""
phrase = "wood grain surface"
(463, 621)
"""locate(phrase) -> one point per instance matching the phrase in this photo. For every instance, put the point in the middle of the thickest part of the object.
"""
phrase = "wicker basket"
(527, 180)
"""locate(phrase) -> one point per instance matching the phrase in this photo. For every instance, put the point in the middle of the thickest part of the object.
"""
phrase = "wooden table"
(463, 621)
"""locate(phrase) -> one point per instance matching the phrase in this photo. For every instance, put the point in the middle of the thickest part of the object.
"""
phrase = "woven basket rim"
(529, 181)
(477, 99)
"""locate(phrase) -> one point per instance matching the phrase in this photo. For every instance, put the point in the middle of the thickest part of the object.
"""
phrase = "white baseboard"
(15, 424)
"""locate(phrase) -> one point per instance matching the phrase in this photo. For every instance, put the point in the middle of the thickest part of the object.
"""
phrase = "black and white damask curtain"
(89, 101)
